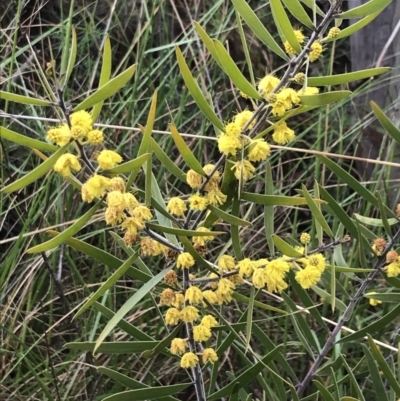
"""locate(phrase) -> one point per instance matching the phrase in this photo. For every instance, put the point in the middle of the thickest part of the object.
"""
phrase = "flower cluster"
(316, 48)
(81, 130)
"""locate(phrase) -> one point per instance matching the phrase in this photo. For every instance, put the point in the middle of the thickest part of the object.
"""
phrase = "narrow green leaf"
(386, 371)
(355, 27)
(269, 209)
(340, 269)
(312, 4)
(185, 152)
(228, 217)
(375, 375)
(282, 20)
(346, 78)
(385, 220)
(105, 75)
(123, 324)
(247, 376)
(386, 123)
(167, 162)
(249, 323)
(24, 99)
(257, 27)
(148, 182)
(328, 298)
(148, 393)
(196, 92)
(36, 173)
(145, 144)
(349, 180)
(129, 304)
(235, 236)
(120, 347)
(368, 8)
(71, 59)
(127, 381)
(234, 73)
(107, 90)
(129, 166)
(108, 284)
(257, 304)
(353, 380)
(68, 233)
(274, 200)
(324, 98)
(297, 10)
(316, 213)
(374, 222)
(326, 395)
(26, 141)
(391, 297)
(285, 248)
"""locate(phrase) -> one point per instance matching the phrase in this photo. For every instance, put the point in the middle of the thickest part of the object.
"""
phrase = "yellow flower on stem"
(117, 184)
(66, 163)
(268, 84)
(259, 150)
(244, 170)
(179, 302)
(225, 286)
(189, 360)
(242, 118)
(150, 247)
(189, 314)
(232, 130)
(209, 355)
(210, 296)
(201, 333)
(226, 263)
(108, 159)
(333, 33)
(308, 277)
(194, 179)
(197, 202)
(60, 135)
(277, 268)
(95, 137)
(193, 295)
(167, 297)
(178, 346)
(279, 107)
(315, 51)
(216, 197)
(282, 133)
(185, 260)
(202, 240)
(94, 187)
(393, 269)
(114, 215)
(83, 119)
(209, 321)
(172, 316)
(246, 267)
(260, 278)
(317, 260)
(229, 145)
(276, 284)
(176, 206)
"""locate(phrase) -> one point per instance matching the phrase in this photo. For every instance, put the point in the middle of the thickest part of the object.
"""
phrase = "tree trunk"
(367, 46)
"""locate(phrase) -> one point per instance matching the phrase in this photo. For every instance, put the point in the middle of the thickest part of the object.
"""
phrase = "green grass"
(35, 323)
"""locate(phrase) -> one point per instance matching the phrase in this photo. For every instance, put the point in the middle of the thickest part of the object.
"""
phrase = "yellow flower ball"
(282, 133)
(94, 187)
(308, 277)
(197, 202)
(172, 316)
(189, 360)
(178, 346)
(185, 260)
(66, 163)
(193, 295)
(83, 119)
(108, 159)
(95, 137)
(209, 355)
(201, 333)
(189, 314)
(176, 206)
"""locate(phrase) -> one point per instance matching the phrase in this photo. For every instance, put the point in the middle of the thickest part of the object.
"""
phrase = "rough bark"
(366, 48)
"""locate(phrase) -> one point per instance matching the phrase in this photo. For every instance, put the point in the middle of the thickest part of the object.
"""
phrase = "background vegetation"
(35, 319)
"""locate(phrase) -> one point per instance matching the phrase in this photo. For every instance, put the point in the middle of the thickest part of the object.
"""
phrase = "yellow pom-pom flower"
(114, 215)
(393, 269)
(210, 296)
(333, 33)
(268, 84)
(189, 360)
(197, 202)
(209, 321)
(116, 199)
(178, 346)
(83, 119)
(167, 297)
(66, 163)
(317, 260)
(201, 333)
(246, 267)
(60, 135)
(315, 51)
(209, 355)
(232, 130)
(279, 107)
(275, 284)
(194, 179)
(189, 314)
(94, 187)
(305, 238)
(185, 260)
(78, 132)
(242, 119)
(244, 170)
(259, 150)
(226, 263)
(283, 134)
(216, 197)
(142, 213)
(179, 302)
(172, 316)
(260, 278)
(277, 268)
(117, 184)
(193, 295)
(95, 137)
(228, 145)
(308, 277)
(150, 247)
(176, 206)
(108, 159)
